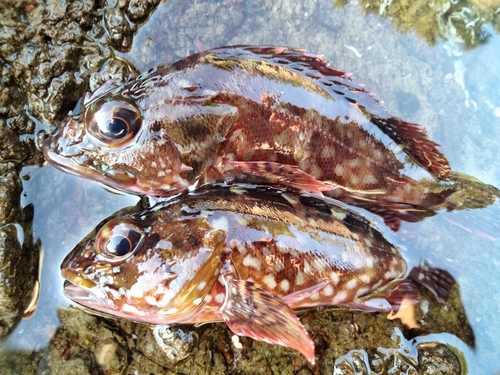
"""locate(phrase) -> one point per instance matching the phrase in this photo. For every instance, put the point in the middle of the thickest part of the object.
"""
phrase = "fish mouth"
(86, 301)
(84, 294)
(56, 151)
(78, 165)
(78, 290)
(64, 163)
(77, 293)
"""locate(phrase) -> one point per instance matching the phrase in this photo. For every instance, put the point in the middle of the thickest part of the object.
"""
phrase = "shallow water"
(454, 92)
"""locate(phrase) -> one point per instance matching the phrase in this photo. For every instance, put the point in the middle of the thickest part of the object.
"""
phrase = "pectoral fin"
(276, 173)
(252, 310)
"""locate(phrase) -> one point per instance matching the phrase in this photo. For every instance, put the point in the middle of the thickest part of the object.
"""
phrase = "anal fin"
(405, 292)
(252, 310)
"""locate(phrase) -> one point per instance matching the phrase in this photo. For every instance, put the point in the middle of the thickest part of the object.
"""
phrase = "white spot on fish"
(300, 278)
(369, 179)
(351, 284)
(369, 262)
(334, 276)
(202, 285)
(285, 285)
(307, 268)
(319, 265)
(314, 297)
(219, 298)
(353, 163)
(270, 281)
(365, 278)
(170, 311)
(250, 261)
(197, 301)
(391, 274)
(328, 290)
(339, 170)
(339, 297)
(132, 310)
(361, 292)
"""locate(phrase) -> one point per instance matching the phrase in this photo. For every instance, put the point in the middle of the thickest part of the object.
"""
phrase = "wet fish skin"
(253, 114)
(245, 255)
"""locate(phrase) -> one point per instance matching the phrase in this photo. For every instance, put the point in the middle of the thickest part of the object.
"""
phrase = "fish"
(245, 255)
(252, 114)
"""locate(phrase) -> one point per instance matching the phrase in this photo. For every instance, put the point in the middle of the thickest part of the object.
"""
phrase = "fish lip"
(82, 295)
(77, 293)
(70, 165)
(85, 300)
(64, 163)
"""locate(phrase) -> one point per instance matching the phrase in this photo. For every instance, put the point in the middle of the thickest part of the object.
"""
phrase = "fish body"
(252, 114)
(247, 256)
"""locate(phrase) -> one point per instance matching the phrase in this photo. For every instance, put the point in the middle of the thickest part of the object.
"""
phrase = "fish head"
(158, 274)
(114, 138)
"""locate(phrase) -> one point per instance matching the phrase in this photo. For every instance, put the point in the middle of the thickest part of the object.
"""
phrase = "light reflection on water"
(66, 210)
(454, 93)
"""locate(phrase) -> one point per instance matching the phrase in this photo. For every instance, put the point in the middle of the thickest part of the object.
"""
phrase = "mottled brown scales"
(293, 117)
(248, 256)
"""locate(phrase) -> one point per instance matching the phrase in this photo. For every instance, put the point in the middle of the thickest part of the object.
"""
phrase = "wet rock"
(119, 31)
(437, 359)
(462, 22)
(433, 358)
(18, 275)
(10, 190)
(346, 341)
(19, 363)
(138, 9)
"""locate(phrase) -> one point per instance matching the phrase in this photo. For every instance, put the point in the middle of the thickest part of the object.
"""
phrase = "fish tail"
(473, 206)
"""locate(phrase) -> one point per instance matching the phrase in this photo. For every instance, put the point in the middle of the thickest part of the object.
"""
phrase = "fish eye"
(114, 122)
(118, 239)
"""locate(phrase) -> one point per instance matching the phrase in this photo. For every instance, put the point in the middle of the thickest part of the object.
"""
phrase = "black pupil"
(120, 245)
(114, 128)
